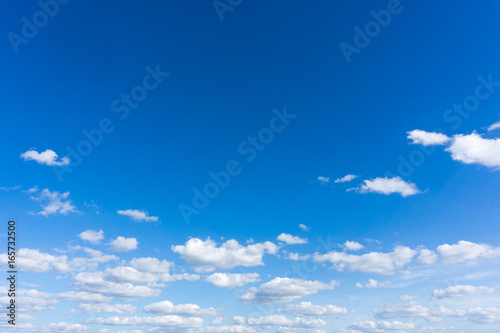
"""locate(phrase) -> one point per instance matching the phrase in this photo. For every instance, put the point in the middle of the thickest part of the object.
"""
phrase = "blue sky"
(355, 150)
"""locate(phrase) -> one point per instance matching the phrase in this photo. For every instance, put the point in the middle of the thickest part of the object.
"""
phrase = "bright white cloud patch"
(54, 203)
(308, 309)
(373, 262)
(380, 327)
(205, 256)
(138, 215)
(284, 290)
(465, 251)
(388, 186)
(108, 308)
(352, 246)
(92, 236)
(474, 149)
(227, 280)
(290, 240)
(48, 157)
(280, 320)
(122, 244)
(346, 179)
(303, 227)
(189, 310)
(427, 257)
(461, 290)
(171, 322)
(427, 138)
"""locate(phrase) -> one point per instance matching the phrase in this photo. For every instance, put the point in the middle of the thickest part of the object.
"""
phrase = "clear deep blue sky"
(225, 79)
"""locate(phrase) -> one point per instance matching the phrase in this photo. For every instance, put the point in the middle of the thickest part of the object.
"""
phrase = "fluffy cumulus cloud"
(151, 265)
(373, 284)
(92, 236)
(108, 308)
(228, 280)
(284, 290)
(35, 261)
(53, 202)
(47, 157)
(465, 251)
(379, 327)
(171, 322)
(122, 244)
(280, 320)
(427, 256)
(346, 179)
(373, 262)
(352, 246)
(427, 138)
(138, 215)
(461, 290)
(229, 329)
(206, 256)
(308, 309)
(474, 149)
(388, 186)
(290, 240)
(190, 310)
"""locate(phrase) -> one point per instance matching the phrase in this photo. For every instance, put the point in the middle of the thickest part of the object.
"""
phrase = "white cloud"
(353, 246)
(465, 251)
(92, 236)
(380, 327)
(373, 284)
(64, 327)
(296, 256)
(217, 321)
(461, 290)
(346, 179)
(284, 290)
(228, 280)
(151, 265)
(229, 329)
(189, 310)
(308, 309)
(373, 262)
(474, 149)
(55, 203)
(493, 127)
(324, 180)
(409, 309)
(81, 297)
(427, 138)
(279, 320)
(290, 240)
(97, 282)
(303, 227)
(167, 322)
(388, 186)
(205, 256)
(48, 157)
(122, 244)
(427, 257)
(34, 261)
(138, 215)
(239, 320)
(108, 308)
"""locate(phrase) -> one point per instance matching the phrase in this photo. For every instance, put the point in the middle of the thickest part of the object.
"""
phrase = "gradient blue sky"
(227, 81)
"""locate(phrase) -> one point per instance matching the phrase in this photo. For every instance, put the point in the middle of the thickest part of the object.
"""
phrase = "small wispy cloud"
(12, 188)
(387, 186)
(48, 157)
(346, 178)
(493, 127)
(323, 180)
(303, 227)
(138, 215)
